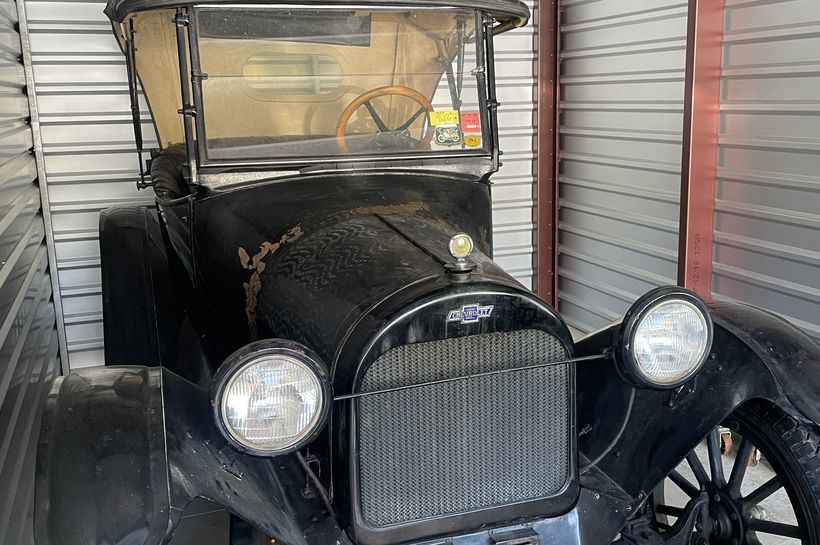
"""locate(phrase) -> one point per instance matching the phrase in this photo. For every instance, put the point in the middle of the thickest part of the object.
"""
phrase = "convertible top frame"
(510, 14)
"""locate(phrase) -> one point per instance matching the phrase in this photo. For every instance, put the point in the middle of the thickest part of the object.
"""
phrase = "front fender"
(792, 356)
(631, 438)
(122, 452)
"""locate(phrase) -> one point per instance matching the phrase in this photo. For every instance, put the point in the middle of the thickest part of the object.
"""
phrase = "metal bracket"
(142, 183)
(136, 118)
(680, 393)
(640, 532)
(187, 110)
(520, 536)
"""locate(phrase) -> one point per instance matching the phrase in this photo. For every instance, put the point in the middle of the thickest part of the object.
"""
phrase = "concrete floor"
(776, 507)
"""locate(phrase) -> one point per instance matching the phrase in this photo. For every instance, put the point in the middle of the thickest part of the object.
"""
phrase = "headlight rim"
(627, 366)
(246, 356)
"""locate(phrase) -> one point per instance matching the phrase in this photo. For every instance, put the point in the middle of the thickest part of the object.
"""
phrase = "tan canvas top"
(405, 49)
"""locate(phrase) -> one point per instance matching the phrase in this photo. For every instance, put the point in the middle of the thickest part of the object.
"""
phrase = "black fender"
(140, 314)
(790, 354)
(123, 451)
(631, 438)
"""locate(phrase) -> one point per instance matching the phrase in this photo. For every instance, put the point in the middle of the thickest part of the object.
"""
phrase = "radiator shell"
(462, 446)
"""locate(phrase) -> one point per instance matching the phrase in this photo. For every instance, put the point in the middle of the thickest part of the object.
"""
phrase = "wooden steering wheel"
(364, 100)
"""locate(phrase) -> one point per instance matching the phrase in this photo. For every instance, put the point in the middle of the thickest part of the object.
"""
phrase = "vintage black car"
(308, 331)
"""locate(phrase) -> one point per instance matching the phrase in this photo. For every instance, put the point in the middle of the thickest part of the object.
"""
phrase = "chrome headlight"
(271, 397)
(665, 338)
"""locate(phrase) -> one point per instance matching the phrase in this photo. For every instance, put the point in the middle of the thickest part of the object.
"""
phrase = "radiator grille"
(465, 445)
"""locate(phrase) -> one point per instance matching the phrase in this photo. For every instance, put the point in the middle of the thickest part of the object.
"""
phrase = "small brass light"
(461, 246)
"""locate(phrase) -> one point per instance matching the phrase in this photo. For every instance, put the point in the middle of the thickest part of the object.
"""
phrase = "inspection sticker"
(472, 141)
(444, 117)
(470, 122)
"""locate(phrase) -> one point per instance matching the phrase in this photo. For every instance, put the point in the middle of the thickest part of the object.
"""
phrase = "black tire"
(790, 445)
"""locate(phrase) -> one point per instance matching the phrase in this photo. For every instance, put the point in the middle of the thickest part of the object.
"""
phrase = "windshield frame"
(485, 87)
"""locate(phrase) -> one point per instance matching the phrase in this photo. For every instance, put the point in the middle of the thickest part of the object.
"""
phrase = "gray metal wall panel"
(85, 119)
(621, 121)
(28, 335)
(767, 220)
(512, 189)
(88, 147)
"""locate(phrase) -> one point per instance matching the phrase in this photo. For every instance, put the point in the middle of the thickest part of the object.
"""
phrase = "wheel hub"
(725, 517)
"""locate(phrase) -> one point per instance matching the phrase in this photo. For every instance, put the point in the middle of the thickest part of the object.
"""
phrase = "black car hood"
(303, 259)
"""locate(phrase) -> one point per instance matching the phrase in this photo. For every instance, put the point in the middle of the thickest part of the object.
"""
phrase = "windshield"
(301, 83)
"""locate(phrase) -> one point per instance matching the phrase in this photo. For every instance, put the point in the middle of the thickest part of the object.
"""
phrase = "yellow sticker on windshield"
(472, 141)
(445, 117)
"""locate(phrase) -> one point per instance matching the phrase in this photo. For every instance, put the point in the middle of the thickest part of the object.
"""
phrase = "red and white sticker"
(470, 122)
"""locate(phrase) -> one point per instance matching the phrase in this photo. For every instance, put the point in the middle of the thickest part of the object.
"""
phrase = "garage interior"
(646, 143)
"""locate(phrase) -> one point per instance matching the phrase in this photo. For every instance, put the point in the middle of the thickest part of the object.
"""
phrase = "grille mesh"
(465, 445)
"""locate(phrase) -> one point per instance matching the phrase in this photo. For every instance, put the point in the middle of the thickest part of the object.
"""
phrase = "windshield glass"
(323, 83)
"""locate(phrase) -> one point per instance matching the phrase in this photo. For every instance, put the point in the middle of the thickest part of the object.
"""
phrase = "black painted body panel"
(141, 315)
(125, 449)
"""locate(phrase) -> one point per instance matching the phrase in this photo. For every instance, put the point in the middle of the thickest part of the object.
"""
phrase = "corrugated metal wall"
(513, 203)
(767, 221)
(80, 82)
(28, 336)
(88, 146)
(622, 83)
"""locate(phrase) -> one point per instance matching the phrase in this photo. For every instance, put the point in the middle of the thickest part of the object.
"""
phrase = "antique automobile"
(308, 342)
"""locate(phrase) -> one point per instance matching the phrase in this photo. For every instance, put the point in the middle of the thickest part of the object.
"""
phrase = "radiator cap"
(460, 247)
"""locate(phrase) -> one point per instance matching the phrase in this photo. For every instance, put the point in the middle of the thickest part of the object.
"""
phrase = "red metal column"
(700, 140)
(545, 192)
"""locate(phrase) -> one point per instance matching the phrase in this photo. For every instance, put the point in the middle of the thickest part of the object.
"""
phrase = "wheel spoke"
(697, 468)
(776, 528)
(669, 510)
(767, 489)
(376, 119)
(715, 461)
(410, 121)
(688, 488)
(741, 463)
